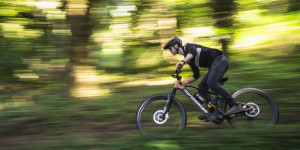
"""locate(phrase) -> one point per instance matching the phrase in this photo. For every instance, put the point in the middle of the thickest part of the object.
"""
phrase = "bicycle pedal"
(203, 118)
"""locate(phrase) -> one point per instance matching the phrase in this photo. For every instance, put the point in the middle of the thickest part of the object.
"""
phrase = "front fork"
(169, 102)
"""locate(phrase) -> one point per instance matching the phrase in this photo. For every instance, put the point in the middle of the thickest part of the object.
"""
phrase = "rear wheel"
(264, 113)
(150, 120)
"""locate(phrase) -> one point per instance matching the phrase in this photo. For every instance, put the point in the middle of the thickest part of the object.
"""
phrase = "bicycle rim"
(149, 111)
(265, 112)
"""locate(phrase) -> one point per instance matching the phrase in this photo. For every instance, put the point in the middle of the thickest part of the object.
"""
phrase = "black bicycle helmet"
(172, 42)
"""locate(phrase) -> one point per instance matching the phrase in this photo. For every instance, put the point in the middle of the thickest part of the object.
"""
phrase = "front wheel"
(150, 121)
(264, 113)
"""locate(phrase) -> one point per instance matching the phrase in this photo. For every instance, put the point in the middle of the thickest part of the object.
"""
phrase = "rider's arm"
(195, 76)
(188, 57)
(190, 80)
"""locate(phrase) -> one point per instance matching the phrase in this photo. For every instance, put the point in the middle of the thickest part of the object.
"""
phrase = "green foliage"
(42, 46)
(16, 27)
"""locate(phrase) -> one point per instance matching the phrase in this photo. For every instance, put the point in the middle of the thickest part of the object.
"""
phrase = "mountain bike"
(163, 114)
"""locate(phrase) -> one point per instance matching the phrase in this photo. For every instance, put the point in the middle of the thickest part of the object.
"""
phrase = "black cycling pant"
(212, 78)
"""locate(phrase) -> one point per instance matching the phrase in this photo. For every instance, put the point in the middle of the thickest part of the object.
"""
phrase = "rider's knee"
(213, 84)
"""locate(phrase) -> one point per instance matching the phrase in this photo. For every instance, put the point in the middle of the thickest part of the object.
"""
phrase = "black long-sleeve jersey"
(202, 57)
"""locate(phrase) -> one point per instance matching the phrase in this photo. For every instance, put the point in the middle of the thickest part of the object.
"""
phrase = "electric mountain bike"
(165, 115)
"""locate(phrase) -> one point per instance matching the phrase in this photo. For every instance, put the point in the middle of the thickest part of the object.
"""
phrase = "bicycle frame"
(179, 86)
(182, 88)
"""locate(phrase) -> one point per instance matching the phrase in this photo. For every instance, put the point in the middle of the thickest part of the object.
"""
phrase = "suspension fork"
(169, 102)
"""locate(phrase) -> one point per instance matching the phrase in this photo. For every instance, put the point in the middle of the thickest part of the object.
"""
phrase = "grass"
(109, 123)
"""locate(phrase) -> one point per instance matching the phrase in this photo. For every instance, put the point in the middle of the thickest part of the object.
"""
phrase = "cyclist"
(199, 56)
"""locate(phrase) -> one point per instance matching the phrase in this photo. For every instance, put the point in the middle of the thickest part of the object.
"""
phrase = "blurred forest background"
(73, 72)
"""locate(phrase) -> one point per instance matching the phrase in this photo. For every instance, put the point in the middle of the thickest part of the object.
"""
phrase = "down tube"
(193, 99)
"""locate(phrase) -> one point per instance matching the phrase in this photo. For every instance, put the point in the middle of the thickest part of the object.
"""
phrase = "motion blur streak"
(73, 72)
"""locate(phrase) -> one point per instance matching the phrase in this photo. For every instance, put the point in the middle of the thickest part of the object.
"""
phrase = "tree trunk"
(223, 13)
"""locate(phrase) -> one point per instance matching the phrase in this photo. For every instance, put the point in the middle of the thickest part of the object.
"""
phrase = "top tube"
(178, 77)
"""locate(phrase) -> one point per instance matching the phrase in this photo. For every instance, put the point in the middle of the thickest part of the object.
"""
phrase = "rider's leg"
(203, 85)
(216, 72)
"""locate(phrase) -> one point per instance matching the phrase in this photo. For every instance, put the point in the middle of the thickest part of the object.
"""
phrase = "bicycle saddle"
(223, 80)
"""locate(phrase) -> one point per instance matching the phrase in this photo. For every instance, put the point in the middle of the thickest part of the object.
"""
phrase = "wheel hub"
(158, 117)
(254, 112)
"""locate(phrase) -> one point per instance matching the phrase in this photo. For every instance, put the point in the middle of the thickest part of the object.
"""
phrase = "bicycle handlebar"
(177, 75)
(178, 71)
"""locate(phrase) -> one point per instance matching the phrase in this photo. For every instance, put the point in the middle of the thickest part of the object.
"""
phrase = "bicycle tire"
(145, 121)
(267, 113)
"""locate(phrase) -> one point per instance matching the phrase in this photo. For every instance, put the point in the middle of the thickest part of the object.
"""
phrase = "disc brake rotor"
(158, 117)
(254, 112)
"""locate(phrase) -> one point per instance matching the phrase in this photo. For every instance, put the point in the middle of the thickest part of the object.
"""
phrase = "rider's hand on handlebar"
(179, 65)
